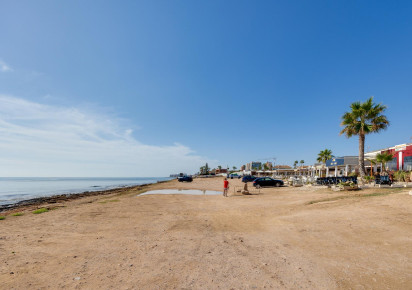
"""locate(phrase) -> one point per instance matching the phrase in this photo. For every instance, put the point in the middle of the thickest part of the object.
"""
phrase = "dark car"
(185, 178)
(248, 178)
(267, 182)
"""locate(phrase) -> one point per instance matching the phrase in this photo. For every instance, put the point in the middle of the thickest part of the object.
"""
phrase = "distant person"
(225, 187)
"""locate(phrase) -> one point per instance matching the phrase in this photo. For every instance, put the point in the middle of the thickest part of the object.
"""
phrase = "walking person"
(225, 187)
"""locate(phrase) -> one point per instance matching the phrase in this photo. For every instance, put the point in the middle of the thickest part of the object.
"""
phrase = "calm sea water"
(14, 189)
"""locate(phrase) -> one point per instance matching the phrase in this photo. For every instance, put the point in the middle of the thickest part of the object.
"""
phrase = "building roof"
(282, 167)
(389, 148)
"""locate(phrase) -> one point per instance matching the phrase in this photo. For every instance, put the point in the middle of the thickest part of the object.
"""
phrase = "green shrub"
(2, 217)
(400, 175)
(18, 214)
(347, 183)
(40, 210)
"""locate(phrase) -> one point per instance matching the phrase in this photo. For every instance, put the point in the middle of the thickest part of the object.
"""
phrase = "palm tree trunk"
(362, 155)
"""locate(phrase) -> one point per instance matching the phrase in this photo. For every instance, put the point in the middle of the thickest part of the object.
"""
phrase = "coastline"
(60, 198)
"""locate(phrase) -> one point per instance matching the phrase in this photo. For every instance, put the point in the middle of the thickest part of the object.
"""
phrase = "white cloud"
(4, 67)
(44, 140)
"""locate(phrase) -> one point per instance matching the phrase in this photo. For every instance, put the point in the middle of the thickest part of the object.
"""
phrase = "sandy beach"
(284, 238)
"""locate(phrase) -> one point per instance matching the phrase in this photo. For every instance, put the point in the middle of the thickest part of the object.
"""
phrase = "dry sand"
(278, 239)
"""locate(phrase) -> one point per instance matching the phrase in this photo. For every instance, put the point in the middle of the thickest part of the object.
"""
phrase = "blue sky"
(179, 83)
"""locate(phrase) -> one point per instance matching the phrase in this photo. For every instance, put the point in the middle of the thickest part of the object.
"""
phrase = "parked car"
(248, 178)
(185, 178)
(267, 182)
(231, 176)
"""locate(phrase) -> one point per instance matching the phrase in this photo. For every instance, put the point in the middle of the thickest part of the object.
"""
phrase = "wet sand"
(284, 238)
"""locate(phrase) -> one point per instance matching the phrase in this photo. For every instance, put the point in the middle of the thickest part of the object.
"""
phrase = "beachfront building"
(287, 171)
(319, 170)
(306, 170)
(253, 166)
(283, 171)
(342, 166)
(220, 170)
(402, 158)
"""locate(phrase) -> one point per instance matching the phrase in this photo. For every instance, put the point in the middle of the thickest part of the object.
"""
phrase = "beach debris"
(77, 278)
(245, 191)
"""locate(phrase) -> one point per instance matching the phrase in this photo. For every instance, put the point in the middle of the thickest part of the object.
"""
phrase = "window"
(407, 163)
(391, 165)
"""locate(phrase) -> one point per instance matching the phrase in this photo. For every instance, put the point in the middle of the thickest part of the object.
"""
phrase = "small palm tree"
(302, 162)
(362, 119)
(324, 155)
(234, 167)
(384, 158)
(295, 163)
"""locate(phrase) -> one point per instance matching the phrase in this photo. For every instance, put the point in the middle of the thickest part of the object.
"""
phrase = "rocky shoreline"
(68, 197)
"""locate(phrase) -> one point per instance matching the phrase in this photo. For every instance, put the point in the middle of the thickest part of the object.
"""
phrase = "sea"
(15, 189)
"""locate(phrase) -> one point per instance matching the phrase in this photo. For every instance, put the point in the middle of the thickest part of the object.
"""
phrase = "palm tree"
(324, 155)
(384, 158)
(295, 163)
(364, 118)
(234, 167)
(302, 162)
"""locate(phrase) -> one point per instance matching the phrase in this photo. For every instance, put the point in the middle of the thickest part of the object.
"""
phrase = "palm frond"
(364, 118)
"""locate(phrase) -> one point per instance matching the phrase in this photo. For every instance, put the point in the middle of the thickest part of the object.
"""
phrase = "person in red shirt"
(225, 187)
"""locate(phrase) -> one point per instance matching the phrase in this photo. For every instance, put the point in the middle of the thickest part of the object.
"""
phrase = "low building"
(219, 171)
(282, 167)
(343, 166)
(402, 157)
